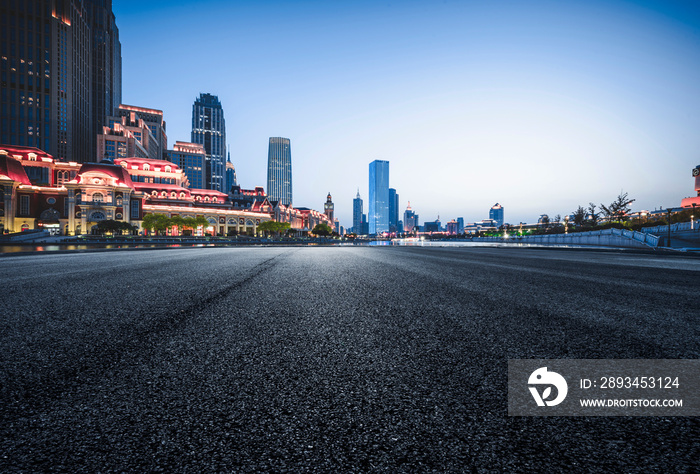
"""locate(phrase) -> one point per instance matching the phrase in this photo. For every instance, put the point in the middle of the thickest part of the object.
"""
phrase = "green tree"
(592, 215)
(323, 230)
(579, 216)
(156, 223)
(179, 222)
(273, 227)
(619, 209)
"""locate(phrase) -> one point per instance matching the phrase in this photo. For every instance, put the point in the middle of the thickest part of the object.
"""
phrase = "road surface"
(329, 358)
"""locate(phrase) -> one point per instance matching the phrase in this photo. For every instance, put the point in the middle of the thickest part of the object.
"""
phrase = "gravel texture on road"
(349, 359)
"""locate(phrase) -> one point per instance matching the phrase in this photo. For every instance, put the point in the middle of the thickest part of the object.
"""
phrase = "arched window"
(154, 193)
(163, 194)
(182, 195)
(206, 198)
(168, 169)
(199, 198)
(97, 197)
(97, 216)
(146, 167)
(119, 201)
(214, 200)
(173, 195)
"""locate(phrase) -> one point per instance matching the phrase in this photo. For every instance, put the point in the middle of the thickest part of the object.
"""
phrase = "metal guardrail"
(680, 226)
(580, 237)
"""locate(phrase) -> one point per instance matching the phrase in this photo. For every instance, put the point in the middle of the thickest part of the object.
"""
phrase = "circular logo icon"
(546, 380)
(696, 171)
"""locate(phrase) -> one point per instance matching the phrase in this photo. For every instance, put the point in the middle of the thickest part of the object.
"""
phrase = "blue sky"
(538, 105)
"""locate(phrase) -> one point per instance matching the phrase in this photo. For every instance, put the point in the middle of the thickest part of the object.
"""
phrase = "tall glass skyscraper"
(378, 197)
(279, 170)
(60, 70)
(209, 129)
(393, 210)
(357, 214)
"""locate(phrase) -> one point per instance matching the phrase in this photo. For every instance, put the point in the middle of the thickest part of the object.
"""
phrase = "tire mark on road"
(25, 393)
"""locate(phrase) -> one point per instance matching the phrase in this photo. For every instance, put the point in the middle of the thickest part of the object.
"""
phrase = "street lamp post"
(692, 218)
(668, 244)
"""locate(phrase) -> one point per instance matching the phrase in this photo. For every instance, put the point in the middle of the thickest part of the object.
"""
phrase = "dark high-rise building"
(231, 180)
(393, 210)
(52, 55)
(279, 170)
(209, 129)
(496, 213)
(357, 214)
(106, 52)
(45, 78)
(378, 197)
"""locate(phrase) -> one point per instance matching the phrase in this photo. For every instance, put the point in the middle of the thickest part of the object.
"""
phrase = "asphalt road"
(329, 358)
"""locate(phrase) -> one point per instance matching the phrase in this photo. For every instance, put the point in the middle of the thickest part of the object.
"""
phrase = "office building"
(106, 62)
(209, 129)
(378, 216)
(357, 214)
(129, 115)
(393, 210)
(496, 213)
(190, 158)
(279, 170)
(231, 180)
(410, 219)
(132, 132)
(51, 75)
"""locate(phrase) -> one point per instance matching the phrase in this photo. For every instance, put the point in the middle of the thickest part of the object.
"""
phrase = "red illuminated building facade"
(67, 198)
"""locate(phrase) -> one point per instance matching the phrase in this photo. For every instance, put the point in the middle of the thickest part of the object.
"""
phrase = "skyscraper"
(231, 180)
(410, 219)
(357, 214)
(393, 210)
(106, 62)
(378, 197)
(279, 170)
(45, 78)
(496, 213)
(209, 129)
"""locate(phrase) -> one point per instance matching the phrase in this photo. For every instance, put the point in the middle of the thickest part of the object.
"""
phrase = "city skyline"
(541, 107)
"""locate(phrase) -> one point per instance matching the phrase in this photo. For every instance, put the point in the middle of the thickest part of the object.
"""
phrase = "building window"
(97, 197)
(24, 205)
(134, 209)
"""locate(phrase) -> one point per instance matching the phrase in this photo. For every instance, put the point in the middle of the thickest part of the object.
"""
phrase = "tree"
(593, 216)
(156, 222)
(274, 226)
(579, 216)
(618, 209)
(179, 222)
(322, 230)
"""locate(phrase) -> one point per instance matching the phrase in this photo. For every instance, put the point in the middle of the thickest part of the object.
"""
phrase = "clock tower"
(328, 207)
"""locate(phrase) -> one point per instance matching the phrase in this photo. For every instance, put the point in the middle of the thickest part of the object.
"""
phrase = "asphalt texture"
(329, 359)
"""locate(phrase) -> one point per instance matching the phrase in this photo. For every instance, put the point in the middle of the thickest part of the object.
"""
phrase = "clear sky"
(538, 105)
